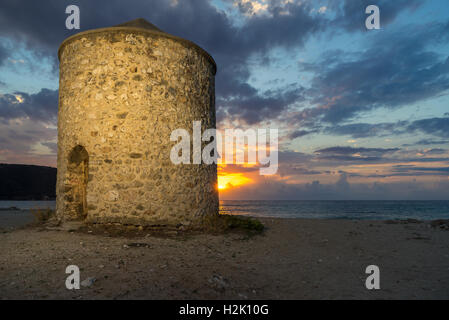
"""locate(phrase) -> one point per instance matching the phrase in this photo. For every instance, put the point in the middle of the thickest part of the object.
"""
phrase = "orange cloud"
(227, 180)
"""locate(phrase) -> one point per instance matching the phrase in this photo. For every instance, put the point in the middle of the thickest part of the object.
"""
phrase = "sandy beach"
(11, 219)
(292, 259)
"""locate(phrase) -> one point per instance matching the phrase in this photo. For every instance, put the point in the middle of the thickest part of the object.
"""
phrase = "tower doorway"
(78, 172)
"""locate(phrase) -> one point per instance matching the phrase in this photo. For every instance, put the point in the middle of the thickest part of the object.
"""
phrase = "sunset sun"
(229, 180)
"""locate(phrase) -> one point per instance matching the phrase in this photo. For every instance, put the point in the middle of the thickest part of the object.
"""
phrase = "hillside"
(27, 182)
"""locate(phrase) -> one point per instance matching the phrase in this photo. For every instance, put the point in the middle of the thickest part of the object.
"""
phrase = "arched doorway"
(78, 171)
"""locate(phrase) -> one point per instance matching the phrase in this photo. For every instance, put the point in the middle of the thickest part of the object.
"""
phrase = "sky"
(362, 114)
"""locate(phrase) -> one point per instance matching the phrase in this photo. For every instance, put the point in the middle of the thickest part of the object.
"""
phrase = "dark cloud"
(4, 53)
(291, 163)
(419, 171)
(336, 158)
(300, 133)
(435, 126)
(435, 151)
(295, 169)
(423, 159)
(426, 142)
(53, 146)
(382, 76)
(351, 150)
(345, 155)
(363, 130)
(41, 106)
(42, 27)
(287, 156)
(255, 108)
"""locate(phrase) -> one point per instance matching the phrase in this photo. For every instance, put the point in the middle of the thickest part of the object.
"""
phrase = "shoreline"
(17, 218)
(292, 259)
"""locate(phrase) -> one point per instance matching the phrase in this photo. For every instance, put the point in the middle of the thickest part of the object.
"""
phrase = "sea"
(344, 209)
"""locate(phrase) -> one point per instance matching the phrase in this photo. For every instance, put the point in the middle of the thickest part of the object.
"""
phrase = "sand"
(292, 259)
(12, 219)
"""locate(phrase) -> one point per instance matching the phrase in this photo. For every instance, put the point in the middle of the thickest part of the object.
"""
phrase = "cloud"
(351, 150)
(364, 130)
(254, 108)
(342, 189)
(42, 28)
(286, 24)
(251, 7)
(382, 76)
(300, 133)
(435, 126)
(426, 142)
(409, 168)
(419, 171)
(41, 106)
(21, 141)
(4, 53)
(435, 151)
(53, 146)
(28, 127)
(322, 9)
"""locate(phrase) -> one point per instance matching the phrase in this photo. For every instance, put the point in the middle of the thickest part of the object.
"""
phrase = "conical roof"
(140, 24)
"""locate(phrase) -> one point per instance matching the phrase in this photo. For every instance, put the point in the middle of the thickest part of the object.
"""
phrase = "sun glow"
(19, 98)
(229, 180)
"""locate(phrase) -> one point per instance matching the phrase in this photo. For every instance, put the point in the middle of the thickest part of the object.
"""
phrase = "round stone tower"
(122, 91)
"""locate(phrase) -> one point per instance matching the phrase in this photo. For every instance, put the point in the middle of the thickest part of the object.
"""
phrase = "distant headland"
(27, 182)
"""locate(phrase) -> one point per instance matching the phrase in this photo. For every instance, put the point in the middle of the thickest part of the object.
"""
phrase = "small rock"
(219, 282)
(88, 282)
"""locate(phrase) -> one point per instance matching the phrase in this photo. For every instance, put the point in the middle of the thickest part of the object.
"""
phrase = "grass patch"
(42, 216)
(230, 223)
(218, 224)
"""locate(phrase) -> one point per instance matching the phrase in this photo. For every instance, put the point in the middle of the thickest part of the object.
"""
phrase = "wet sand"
(292, 259)
(12, 219)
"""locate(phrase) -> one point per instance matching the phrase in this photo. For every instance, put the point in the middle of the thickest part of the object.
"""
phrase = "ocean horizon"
(310, 209)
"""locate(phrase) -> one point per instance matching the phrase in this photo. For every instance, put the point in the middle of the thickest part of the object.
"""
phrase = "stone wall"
(121, 94)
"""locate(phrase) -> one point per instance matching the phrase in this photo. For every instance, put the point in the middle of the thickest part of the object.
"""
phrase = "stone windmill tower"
(122, 91)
